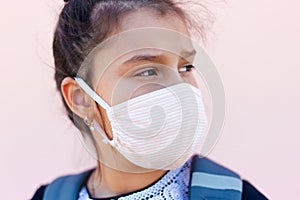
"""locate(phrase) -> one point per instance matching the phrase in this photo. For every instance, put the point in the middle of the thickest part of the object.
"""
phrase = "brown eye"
(186, 68)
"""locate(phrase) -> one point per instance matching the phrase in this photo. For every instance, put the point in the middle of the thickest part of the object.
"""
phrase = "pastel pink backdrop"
(255, 46)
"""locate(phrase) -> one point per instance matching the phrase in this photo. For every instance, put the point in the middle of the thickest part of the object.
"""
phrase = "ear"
(77, 100)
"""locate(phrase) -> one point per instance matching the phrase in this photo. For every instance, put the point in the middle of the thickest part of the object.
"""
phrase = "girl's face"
(142, 70)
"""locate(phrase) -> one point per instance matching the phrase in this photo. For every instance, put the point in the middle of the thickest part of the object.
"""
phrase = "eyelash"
(186, 68)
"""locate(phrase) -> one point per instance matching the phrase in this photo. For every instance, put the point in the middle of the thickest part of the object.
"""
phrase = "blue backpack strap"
(66, 187)
(212, 181)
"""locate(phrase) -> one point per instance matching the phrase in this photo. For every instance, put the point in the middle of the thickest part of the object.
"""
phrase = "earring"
(89, 123)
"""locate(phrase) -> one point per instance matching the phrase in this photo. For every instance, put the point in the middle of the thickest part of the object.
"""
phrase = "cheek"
(129, 89)
(102, 119)
(191, 78)
(105, 86)
(146, 89)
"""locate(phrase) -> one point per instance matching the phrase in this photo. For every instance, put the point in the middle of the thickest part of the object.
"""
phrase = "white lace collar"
(172, 186)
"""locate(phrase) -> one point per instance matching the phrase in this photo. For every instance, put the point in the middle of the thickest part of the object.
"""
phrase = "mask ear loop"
(101, 102)
(101, 132)
(91, 93)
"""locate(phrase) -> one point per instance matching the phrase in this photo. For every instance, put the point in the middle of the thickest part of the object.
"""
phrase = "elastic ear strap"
(91, 93)
(101, 132)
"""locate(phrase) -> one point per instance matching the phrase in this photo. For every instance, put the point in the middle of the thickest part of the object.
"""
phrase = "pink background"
(256, 49)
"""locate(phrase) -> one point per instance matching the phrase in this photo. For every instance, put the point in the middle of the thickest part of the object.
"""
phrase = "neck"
(107, 182)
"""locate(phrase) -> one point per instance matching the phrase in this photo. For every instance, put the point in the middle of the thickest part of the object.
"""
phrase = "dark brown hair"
(83, 24)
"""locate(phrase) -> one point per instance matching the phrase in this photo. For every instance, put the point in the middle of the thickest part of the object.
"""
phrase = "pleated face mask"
(161, 129)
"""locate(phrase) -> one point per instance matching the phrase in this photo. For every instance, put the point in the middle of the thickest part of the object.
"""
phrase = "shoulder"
(211, 179)
(39, 193)
(199, 164)
(250, 192)
(63, 187)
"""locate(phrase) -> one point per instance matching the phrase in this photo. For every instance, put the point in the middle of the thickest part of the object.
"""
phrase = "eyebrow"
(152, 58)
(137, 58)
(187, 54)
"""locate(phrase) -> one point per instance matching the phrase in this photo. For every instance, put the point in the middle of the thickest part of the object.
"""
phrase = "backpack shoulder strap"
(66, 187)
(210, 181)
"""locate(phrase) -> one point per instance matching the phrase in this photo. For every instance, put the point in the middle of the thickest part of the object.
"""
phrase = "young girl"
(124, 70)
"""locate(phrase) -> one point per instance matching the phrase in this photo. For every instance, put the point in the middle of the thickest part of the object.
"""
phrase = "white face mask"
(161, 129)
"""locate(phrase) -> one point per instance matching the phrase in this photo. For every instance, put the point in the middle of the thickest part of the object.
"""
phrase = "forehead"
(149, 18)
(140, 30)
